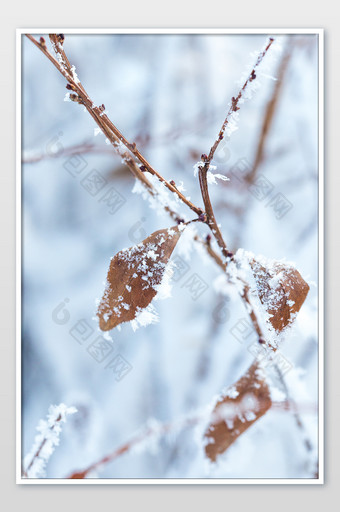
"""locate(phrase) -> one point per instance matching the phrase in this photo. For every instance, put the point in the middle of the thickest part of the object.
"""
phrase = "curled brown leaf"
(133, 277)
(282, 291)
(238, 408)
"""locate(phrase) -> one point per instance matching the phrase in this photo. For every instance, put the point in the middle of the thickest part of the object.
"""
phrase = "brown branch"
(270, 110)
(100, 117)
(165, 428)
(206, 160)
(115, 137)
(42, 444)
(134, 441)
(210, 217)
(95, 113)
(76, 149)
(234, 105)
(269, 114)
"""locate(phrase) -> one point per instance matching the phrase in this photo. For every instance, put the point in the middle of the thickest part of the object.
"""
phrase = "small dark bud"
(271, 39)
(102, 107)
(200, 211)
(75, 98)
(234, 104)
(208, 239)
(229, 254)
(173, 183)
(220, 137)
(179, 220)
(202, 217)
(204, 157)
(262, 341)
(143, 168)
(132, 147)
(60, 38)
(42, 42)
(70, 87)
(252, 76)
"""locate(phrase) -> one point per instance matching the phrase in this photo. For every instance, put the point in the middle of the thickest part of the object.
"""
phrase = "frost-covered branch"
(83, 148)
(150, 435)
(79, 95)
(203, 166)
(112, 134)
(229, 123)
(97, 113)
(270, 110)
(45, 442)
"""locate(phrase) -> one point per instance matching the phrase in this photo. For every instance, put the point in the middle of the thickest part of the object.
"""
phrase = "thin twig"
(234, 105)
(210, 216)
(270, 111)
(100, 117)
(76, 149)
(134, 441)
(115, 137)
(206, 160)
(42, 444)
(268, 117)
(163, 429)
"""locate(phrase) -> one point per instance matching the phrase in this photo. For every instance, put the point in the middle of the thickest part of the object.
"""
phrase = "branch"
(210, 217)
(234, 105)
(148, 432)
(101, 120)
(116, 138)
(98, 113)
(76, 149)
(160, 430)
(270, 111)
(206, 160)
(46, 441)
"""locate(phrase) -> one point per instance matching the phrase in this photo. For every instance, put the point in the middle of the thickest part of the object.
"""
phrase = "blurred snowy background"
(169, 93)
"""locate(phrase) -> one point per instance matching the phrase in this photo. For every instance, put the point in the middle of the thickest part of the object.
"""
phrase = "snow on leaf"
(134, 278)
(239, 407)
(144, 317)
(276, 289)
(282, 291)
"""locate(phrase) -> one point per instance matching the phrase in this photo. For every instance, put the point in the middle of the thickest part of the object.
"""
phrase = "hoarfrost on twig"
(46, 441)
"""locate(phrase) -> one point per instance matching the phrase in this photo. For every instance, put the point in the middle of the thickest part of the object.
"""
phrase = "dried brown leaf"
(282, 291)
(133, 277)
(239, 407)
